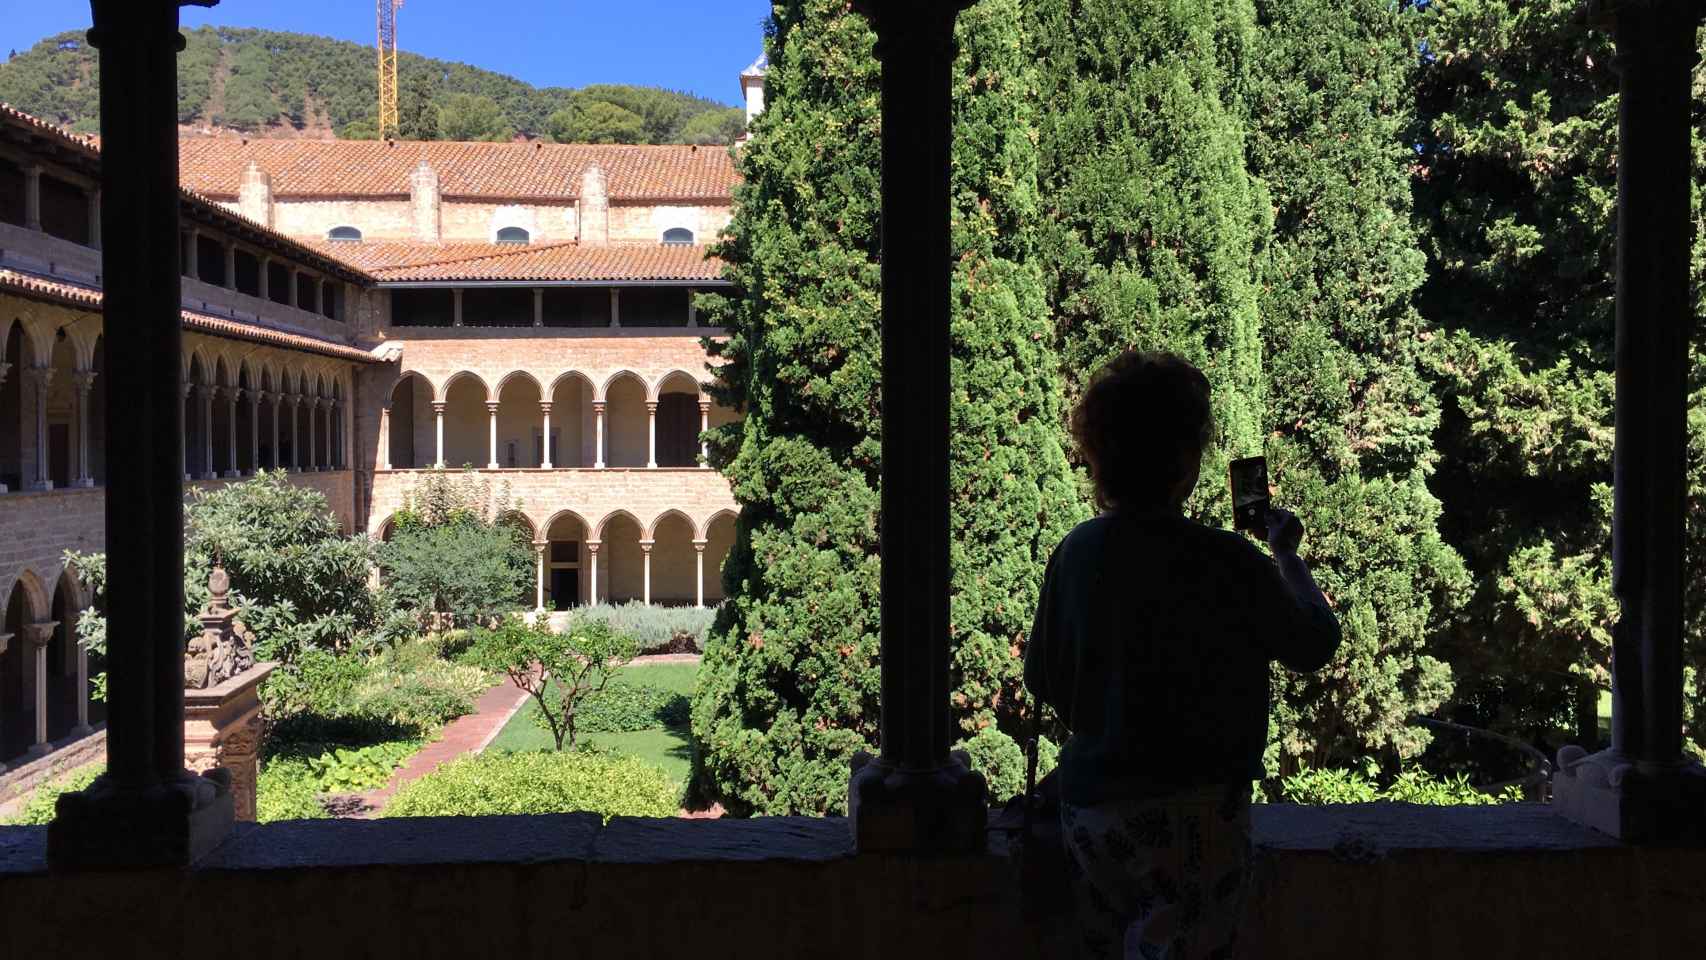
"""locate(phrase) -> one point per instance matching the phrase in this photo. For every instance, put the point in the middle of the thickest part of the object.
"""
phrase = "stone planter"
(222, 728)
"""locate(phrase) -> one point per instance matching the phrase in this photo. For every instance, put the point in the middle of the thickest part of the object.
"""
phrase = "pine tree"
(788, 688)
(417, 115)
(1350, 416)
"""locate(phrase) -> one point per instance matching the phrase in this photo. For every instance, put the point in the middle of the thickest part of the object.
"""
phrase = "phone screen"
(1250, 494)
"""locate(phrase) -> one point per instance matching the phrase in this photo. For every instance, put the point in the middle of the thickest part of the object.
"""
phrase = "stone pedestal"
(1634, 802)
(222, 729)
(929, 811)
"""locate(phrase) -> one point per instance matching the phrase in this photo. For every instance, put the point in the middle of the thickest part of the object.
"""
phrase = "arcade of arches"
(44, 671)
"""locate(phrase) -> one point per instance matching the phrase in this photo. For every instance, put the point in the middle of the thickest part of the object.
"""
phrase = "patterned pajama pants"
(1160, 877)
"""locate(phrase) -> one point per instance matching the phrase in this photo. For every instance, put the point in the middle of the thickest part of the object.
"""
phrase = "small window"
(680, 235)
(344, 234)
(512, 235)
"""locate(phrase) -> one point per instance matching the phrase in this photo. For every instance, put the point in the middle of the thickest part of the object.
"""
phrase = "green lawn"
(670, 748)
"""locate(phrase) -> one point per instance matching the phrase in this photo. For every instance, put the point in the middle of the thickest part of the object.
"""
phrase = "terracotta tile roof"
(76, 141)
(507, 171)
(417, 262)
(88, 298)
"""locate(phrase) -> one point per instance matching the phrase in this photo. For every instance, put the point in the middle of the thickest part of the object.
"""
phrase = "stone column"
(615, 306)
(4, 367)
(82, 729)
(146, 809)
(183, 430)
(95, 218)
(916, 796)
(255, 398)
(699, 562)
(85, 382)
(456, 307)
(539, 547)
(592, 576)
(492, 434)
(692, 310)
(192, 260)
(36, 638)
(385, 437)
(265, 282)
(209, 471)
(313, 449)
(545, 437)
(1644, 789)
(646, 571)
(538, 307)
(32, 198)
(277, 402)
(651, 434)
(39, 378)
(598, 434)
(295, 290)
(438, 418)
(5, 644)
(231, 394)
(704, 425)
(295, 432)
(230, 266)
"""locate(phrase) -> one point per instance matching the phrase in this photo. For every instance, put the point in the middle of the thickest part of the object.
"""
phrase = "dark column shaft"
(145, 554)
(917, 271)
(1656, 54)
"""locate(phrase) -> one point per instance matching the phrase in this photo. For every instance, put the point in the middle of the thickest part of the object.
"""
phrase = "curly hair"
(1142, 414)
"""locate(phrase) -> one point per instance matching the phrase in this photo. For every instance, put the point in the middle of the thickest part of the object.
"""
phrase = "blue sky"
(699, 46)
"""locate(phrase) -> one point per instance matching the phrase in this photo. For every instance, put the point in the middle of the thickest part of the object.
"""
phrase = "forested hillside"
(265, 83)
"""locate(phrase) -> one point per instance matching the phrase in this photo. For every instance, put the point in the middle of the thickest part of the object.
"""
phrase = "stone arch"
(620, 513)
(732, 516)
(37, 607)
(561, 515)
(621, 562)
(386, 529)
(673, 381)
(466, 422)
(515, 377)
(718, 536)
(410, 425)
(521, 521)
(627, 422)
(457, 377)
(603, 391)
(520, 423)
(678, 419)
(669, 513)
(567, 568)
(673, 560)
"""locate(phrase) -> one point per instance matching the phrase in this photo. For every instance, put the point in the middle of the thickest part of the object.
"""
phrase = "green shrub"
(319, 682)
(285, 790)
(409, 685)
(38, 809)
(1001, 760)
(1325, 785)
(359, 769)
(654, 629)
(539, 782)
(625, 708)
(560, 670)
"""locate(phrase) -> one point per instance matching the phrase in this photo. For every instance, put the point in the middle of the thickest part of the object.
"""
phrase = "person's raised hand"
(1285, 531)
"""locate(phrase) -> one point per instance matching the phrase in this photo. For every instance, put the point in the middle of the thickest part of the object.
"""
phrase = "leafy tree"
(560, 671)
(465, 116)
(715, 127)
(1349, 415)
(366, 128)
(417, 116)
(789, 684)
(596, 121)
(468, 572)
(249, 101)
(1516, 184)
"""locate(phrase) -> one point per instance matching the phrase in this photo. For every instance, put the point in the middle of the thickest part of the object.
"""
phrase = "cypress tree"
(1517, 187)
(1350, 415)
(1151, 217)
(788, 688)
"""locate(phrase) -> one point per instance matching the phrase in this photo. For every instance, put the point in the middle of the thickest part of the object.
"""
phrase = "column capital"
(651, 406)
(598, 406)
(540, 545)
(5, 641)
(184, 387)
(646, 545)
(4, 368)
(83, 380)
(911, 22)
(704, 405)
(38, 377)
(544, 406)
(39, 634)
(592, 545)
(438, 406)
(492, 407)
(700, 545)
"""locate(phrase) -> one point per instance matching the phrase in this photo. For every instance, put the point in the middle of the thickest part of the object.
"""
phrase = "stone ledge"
(1353, 833)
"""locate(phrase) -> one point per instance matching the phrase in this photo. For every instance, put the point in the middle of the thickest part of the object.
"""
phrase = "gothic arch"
(515, 376)
(568, 376)
(566, 514)
(451, 381)
(37, 607)
(604, 524)
(603, 392)
(674, 378)
(704, 531)
(651, 528)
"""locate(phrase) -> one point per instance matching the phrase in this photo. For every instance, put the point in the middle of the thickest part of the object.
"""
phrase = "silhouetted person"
(1152, 642)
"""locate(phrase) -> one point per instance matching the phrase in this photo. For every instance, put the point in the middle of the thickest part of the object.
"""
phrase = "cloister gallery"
(355, 313)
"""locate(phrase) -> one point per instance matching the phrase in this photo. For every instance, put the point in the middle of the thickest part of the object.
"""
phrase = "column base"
(232, 474)
(944, 810)
(41, 485)
(38, 750)
(173, 824)
(1657, 804)
(493, 466)
(210, 475)
(81, 730)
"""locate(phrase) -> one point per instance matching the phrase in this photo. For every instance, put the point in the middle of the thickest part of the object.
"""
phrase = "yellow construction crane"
(388, 68)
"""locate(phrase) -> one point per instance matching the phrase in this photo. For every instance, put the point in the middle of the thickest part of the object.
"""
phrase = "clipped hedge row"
(539, 782)
(654, 629)
(629, 707)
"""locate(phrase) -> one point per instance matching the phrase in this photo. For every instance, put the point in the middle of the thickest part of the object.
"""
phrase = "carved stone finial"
(219, 584)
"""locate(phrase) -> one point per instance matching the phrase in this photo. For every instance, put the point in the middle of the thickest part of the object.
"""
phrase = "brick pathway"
(469, 734)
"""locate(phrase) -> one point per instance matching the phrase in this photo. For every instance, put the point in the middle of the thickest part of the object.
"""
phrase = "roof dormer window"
(680, 236)
(513, 235)
(344, 235)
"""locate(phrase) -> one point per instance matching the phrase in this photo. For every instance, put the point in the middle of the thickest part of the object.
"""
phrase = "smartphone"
(1249, 478)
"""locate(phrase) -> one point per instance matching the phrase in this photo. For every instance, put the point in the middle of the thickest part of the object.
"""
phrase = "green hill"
(265, 83)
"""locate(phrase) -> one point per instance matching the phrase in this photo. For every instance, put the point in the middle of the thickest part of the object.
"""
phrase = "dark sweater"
(1184, 703)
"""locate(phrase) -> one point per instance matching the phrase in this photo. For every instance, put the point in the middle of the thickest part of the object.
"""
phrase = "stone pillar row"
(539, 548)
(646, 567)
(592, 577)
(699, 563)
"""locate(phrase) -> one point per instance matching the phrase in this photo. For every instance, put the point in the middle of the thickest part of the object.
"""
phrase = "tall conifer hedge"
(788, 687)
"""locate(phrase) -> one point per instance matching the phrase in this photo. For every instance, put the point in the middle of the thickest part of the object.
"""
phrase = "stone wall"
(391, 219)
(471, 221)
(1384, 881)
